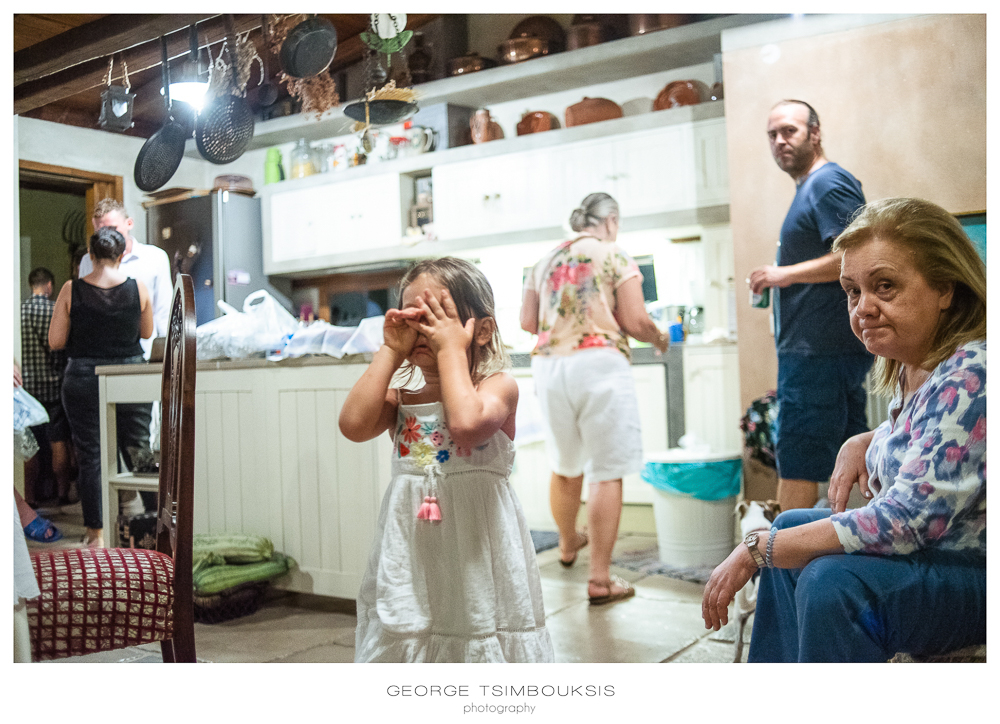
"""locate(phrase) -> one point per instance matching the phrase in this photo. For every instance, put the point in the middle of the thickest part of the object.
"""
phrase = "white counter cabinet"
(712, 396)
(270, 460)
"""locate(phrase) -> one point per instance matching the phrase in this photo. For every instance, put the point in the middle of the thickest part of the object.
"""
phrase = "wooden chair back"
(175, 522)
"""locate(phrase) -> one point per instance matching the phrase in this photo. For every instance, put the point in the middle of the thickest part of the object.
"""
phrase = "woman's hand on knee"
(850, 470)
(726, 580)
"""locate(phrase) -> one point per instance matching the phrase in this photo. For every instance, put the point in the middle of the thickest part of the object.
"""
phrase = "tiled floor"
(662, 623)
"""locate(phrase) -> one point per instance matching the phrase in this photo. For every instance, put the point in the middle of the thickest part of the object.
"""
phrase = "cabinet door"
(654, 171)
(372, 212)
(466, 196)
(331, 218)
(651, 390)
(579, 169)
(711, 162)
(712, 397)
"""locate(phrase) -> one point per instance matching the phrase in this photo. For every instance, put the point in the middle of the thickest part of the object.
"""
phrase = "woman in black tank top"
(99, 319)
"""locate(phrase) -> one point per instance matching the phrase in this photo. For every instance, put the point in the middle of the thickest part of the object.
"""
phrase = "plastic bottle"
(273, 170)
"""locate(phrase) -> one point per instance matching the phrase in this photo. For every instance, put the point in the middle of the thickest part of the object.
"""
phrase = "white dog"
(754, 515)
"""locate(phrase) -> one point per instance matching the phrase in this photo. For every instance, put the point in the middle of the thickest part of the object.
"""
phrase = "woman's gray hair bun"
(594, 209)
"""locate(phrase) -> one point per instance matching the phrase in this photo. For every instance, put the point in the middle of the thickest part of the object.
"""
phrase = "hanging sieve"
(225, 125)
(161, 154)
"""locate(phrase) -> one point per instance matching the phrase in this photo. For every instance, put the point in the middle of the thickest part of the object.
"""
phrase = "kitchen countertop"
(240, 364)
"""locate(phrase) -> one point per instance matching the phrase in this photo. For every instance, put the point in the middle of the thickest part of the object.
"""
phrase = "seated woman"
(913, 578)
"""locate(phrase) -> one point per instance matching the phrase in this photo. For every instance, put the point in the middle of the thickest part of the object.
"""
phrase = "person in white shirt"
(144, 262)
(150, 265)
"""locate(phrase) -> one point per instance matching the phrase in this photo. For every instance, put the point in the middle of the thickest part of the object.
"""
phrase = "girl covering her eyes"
(452, 575)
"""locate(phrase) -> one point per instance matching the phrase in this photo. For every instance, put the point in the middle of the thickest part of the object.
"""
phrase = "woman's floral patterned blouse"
(929, 458)
(576, 286)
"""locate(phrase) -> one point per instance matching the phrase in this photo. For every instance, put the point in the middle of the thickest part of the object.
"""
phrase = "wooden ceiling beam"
(95, 40)
(91, 74)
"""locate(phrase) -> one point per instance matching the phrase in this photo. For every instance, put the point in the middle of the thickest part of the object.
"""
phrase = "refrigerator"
(218, 240)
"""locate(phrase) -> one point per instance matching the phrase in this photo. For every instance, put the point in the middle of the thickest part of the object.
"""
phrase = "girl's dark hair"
(473, 297)
(107, 243)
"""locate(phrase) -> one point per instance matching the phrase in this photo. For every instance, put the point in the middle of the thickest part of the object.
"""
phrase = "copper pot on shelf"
(681, 93)
(642, 24)
(469, 63)
(583, 35)
(592, 110)
(484, 128)
(536, 122)
(516, 50)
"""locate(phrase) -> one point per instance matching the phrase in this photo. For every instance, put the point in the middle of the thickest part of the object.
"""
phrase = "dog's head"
(757, 514)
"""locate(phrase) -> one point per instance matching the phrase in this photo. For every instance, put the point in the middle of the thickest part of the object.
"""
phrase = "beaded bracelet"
(770, 547)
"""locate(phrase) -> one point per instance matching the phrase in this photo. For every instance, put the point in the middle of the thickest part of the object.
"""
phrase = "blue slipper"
(42, 531)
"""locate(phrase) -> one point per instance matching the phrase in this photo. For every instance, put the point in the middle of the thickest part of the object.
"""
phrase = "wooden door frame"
(96, 186)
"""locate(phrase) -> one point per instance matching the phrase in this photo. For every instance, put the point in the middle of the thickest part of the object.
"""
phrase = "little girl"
(452, 575)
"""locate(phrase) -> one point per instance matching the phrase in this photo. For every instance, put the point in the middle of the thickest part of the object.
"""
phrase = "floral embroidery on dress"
(428, 442)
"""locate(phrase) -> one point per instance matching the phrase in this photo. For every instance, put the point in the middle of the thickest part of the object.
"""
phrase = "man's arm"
(825, 268)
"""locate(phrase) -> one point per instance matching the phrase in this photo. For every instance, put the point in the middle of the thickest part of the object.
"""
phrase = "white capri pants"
(591, 414)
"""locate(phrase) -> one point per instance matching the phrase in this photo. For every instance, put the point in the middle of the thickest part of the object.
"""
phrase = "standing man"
(150, 265)
(821, 364)
(42, 375)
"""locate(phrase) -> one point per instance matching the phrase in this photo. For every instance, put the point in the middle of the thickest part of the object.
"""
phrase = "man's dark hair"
(39, 276)
(813, 115)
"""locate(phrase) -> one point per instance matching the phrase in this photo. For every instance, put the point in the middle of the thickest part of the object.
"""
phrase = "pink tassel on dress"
(425, 509)
(433, 511)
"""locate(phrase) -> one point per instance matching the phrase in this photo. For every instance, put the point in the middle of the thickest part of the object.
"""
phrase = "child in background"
(452, 574)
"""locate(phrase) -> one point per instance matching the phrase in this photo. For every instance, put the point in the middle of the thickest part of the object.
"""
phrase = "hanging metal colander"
(225, 125)
(161, 154)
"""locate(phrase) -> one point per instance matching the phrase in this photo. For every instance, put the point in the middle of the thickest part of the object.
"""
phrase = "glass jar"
(302, 160)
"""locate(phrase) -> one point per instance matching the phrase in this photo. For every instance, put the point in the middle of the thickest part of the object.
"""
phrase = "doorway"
(55, 207)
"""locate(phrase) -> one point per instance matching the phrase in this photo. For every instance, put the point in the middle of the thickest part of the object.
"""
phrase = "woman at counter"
(914, 577)
(99, 319)
(583, 299)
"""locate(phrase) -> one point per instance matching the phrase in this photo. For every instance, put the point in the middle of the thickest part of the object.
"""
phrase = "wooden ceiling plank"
(84, 76)
(97, 39)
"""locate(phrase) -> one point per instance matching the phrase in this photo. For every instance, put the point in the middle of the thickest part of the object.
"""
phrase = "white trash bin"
(692, 532)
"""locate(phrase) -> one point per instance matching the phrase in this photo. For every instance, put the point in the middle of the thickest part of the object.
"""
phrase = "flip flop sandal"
(41, 530)
(571, 561)
(627, 591)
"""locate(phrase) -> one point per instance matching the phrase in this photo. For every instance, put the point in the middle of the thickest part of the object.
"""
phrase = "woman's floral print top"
(576, 285)
(928, 464)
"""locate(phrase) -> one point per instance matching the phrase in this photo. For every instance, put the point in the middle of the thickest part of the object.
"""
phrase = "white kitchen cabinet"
(712, 396)
(315, 221)
(496, 194)
(710, 162)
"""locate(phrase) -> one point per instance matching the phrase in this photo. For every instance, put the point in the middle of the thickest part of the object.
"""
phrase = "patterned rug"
(647, 561)
(544, 539)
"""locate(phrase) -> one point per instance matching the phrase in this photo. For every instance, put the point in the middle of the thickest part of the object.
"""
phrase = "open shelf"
(615, 60)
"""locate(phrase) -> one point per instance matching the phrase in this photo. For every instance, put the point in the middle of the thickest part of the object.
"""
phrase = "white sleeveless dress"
(466, 588)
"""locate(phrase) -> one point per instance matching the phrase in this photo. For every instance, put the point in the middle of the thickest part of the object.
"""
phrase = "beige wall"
(902, 105)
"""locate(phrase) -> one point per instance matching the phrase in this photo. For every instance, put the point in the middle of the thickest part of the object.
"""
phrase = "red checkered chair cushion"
(99, 599)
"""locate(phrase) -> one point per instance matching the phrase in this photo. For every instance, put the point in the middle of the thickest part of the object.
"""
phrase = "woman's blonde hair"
(473, 297)
(594, 209)
(943, 255)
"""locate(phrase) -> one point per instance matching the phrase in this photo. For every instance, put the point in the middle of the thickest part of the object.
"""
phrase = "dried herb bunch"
(317, 94)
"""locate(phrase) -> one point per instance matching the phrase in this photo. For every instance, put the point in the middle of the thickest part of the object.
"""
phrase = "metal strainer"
(161, 154)
(225, 126)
